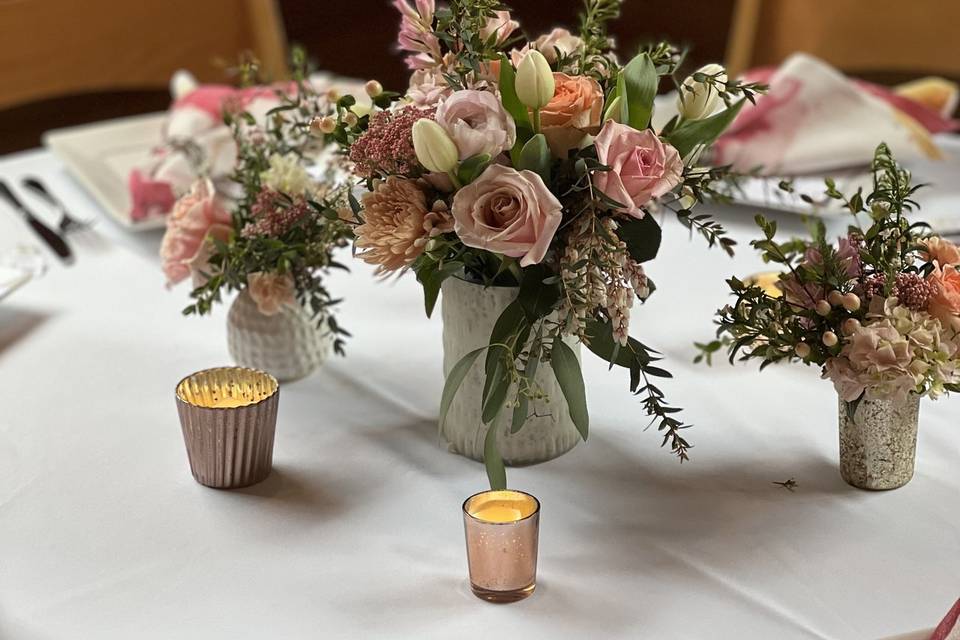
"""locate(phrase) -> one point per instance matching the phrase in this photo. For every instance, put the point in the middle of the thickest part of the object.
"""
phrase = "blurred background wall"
(64, 62)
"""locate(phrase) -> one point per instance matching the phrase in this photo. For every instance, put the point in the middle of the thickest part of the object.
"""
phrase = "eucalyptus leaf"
(432, 277)
(496, 472)
(523, 402)
(567, 369)
(496, 385)
(690, 134)
(454, 380)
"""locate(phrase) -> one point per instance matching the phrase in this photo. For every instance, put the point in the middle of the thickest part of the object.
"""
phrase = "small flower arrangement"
(274, 236)
(533, 164)
(879, 311)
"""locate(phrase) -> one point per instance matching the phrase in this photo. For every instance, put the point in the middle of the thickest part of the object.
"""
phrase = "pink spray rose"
(945, 302)
(195, 217)
(507, 211)
(271, 291)
(477, 123)
(642, 167)
(941, 250)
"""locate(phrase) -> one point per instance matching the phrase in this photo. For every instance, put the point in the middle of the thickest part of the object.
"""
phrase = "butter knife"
(48, 235)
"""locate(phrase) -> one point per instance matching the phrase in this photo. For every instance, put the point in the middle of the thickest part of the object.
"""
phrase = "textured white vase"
(288, 344)
(469, 312)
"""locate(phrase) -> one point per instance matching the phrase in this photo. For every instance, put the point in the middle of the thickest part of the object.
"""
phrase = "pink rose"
(642, 167)
(271, 291)
(195, 217)
(507, 211)
(501, 24)
(477, 123)
(573, 112)
(548, 44)
(427, 87)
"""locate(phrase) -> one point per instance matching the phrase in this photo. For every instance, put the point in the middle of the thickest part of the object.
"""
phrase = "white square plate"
(101, 156)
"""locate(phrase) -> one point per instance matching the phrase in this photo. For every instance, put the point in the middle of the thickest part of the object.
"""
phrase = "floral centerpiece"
(520, 177)
(878, 312)
(271, 240)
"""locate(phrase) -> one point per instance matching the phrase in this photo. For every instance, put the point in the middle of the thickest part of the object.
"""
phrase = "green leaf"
(510, 326)
(496, 472)
(690, 134)
(431, 277)
(639, 90)
(523, 402)
(567, 369)
(471, 168)
(535, 156)
(508, 93)
(454, 380)
(496, 386)
(641, 236)
(634, 356)
(539, 292)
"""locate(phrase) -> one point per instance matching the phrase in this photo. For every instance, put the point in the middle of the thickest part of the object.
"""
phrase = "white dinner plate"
(12, 279)
(102, 154)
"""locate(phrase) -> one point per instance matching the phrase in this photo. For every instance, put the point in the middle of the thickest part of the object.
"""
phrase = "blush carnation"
(386, 147)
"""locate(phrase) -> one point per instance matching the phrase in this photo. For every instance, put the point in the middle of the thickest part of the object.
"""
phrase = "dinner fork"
(68, 223)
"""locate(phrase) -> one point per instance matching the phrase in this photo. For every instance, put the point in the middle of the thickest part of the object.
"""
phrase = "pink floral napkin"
(816, 119)
(948, 629)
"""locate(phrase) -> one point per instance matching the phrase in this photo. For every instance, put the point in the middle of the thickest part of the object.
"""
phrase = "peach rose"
(642, 166)
(507, 211)
(573, 112)
(941, 250)
(945, 302)
(271, 291)
(196, 216)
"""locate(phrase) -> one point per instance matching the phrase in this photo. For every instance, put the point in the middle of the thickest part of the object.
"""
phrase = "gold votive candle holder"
(502, 530)
(229, 417)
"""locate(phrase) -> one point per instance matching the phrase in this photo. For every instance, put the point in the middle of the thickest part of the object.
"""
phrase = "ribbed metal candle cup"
(502, 530)
(229, 417)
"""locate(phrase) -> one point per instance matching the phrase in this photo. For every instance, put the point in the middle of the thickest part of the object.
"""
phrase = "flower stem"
(536, 120)
(454, 179)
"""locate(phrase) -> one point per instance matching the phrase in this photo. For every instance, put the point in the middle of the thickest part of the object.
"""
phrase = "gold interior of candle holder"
(766, 280)
(226, 388)
(501, 507)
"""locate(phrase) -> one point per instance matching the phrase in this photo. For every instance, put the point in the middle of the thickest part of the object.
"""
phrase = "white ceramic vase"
(469, 312)
(289, 345)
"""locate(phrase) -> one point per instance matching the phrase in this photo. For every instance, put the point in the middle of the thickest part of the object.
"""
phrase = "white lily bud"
(534, 81)
(373, 88)
(698, 100)
(435, 150)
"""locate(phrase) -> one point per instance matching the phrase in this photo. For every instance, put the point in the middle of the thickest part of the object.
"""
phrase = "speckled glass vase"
(469, 312)
(878, 442)
(288, 344)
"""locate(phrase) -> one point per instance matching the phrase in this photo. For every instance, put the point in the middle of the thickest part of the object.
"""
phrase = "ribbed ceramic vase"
(288, 344)
(878, 442)
(469, 312)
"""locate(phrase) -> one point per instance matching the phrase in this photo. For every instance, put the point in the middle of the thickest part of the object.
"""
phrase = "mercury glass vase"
(469, 312)
(288, 344)
(878, 442)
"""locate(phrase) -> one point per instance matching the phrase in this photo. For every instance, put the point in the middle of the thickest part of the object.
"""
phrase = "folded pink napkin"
(816, 119)
(948, 629)
(195, 141)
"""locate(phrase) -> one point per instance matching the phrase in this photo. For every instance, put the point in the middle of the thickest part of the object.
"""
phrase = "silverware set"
(55, 239)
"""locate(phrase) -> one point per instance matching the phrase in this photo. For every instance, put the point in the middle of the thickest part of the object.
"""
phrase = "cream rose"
(574, 110)
(642, 167)
(507, 211)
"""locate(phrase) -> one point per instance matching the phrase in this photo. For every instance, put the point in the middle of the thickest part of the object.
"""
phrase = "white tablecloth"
(358, 533)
